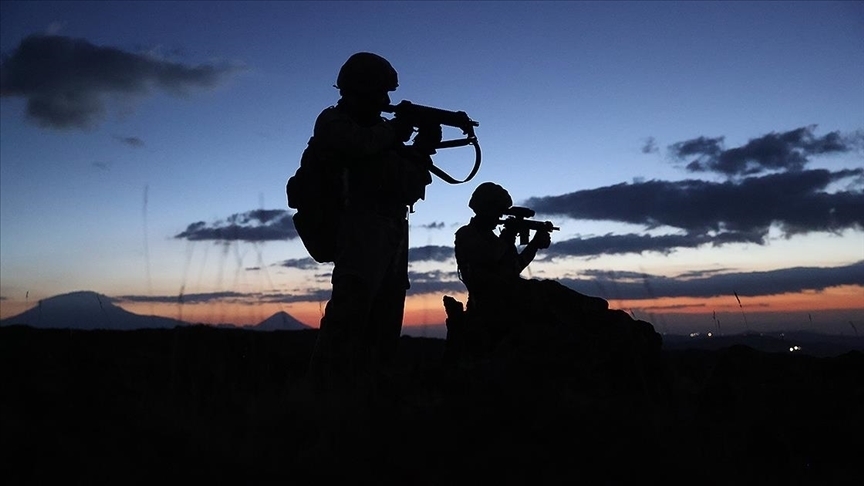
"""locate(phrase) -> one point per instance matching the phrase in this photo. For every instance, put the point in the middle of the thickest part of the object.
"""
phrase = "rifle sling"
(458, 143)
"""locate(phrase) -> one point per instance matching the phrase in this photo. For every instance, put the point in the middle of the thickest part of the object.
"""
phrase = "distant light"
(694, 334)
(710, 334)
(794, 348)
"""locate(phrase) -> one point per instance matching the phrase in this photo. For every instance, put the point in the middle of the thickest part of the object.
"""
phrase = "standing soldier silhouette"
(381, 178)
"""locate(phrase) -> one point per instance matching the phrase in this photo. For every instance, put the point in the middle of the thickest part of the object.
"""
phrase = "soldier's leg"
(388, 306)
(338, 354)
(341, 350)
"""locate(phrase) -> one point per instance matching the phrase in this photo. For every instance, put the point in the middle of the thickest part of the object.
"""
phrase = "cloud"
(252, 226)
(710, 212)
(436, 225)
(771, 188)
(302, 295)
(702, 273)
(435, 282)
(430, 253)
(650, 146)
(750, 284)
(182, 298)
(611, 244)
(67, 82)
(775, 151)
(252, 298)
(133, 142)
(300, 263)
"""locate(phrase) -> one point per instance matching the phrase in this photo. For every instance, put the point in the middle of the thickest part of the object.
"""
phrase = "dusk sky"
(704, 161)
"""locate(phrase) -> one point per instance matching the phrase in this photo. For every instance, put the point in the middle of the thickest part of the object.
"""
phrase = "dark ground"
(222, 406)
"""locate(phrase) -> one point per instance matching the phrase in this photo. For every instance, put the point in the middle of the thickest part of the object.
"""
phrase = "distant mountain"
(87, 310)
(280, 321)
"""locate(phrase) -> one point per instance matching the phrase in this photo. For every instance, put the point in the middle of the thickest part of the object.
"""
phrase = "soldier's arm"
(541, 240)
(527, 256)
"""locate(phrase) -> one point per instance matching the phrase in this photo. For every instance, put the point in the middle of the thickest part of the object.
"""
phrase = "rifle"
(524, 226)
(420, 116)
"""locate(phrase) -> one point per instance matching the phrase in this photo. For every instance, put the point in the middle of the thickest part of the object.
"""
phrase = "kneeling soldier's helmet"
(490, 199)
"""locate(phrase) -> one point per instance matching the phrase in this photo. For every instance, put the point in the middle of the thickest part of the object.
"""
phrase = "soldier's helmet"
(365, 72)
(490, 199)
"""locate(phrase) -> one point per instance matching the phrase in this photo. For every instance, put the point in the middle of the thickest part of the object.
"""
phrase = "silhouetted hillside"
(229, 406)
(796, 342)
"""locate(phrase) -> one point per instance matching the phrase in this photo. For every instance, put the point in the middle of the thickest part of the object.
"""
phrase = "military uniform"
(381, 179)
(499, 299)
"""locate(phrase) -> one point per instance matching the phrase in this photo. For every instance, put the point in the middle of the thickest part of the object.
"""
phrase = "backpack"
(316, 192)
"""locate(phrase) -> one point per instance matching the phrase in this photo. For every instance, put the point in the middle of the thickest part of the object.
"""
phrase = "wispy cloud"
(650, 146)
(774, 282)
(435, 225)
(67, 82)
(133, 142)
(435, 282)
(181, 298)
(252, 226)
(300, 263)
(612, 244)
(790, 150)
(230, 297)
(431, 253)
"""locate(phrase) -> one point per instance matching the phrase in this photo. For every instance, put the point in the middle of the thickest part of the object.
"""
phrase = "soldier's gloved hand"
(428, 138)
(541, 240)
(402, 129)
(508, 234)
